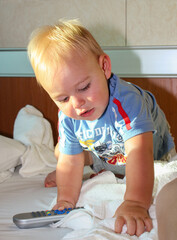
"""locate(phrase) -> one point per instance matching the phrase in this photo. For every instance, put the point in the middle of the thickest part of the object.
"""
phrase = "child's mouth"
(87, 113)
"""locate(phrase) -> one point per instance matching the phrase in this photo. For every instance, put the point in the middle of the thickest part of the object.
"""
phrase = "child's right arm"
(69, 173)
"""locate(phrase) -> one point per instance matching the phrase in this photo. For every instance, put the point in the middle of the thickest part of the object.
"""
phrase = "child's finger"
(119, 223)
(55, 207)
(140, 226)
(62, 205)
(131, 226)
(148, 224)
(50, 184)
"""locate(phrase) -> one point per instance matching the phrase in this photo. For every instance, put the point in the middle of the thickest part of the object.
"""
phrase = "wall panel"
(104, 18)
(151, 22)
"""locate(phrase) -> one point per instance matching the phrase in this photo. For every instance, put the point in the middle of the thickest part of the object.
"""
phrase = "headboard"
(152, 68)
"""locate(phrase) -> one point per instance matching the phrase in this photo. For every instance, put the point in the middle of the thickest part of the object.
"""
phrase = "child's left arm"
(139, 185)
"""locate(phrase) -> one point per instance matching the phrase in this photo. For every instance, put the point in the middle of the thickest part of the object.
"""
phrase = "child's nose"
(77, 102)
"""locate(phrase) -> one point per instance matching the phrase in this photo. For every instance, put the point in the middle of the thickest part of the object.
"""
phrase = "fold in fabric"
(100, 197)
(34, 131)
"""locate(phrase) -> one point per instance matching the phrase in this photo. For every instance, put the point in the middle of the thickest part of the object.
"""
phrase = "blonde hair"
(49, 44)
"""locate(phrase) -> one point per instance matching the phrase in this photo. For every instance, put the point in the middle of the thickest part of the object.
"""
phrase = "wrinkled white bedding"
(32, 146)
(17, 195)
(101, 196)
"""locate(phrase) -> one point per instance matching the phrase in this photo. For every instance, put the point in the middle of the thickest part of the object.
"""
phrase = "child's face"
(80, 86)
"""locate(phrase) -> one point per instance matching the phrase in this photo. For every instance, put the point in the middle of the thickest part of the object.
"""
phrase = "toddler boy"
(117, 121)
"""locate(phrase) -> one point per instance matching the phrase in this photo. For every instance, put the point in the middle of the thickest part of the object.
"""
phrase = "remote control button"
(43, 213)
(48, 213)
(38, 214)
(33, 214)
(59, 212)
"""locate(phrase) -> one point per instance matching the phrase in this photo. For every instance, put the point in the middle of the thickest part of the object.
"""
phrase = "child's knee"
(168, 190)
(163, 200)
(166, 209)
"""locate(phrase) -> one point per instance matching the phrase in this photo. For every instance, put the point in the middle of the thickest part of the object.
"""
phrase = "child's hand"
(135, 216)
(60, 205)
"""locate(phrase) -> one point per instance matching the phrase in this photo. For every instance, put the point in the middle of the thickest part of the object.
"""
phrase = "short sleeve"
(69, 143)
(133, 107)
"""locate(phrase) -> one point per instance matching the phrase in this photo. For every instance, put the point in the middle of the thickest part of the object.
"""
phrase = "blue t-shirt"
(130, 112)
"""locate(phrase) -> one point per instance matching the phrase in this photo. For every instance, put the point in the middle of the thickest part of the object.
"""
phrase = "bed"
(28, 134)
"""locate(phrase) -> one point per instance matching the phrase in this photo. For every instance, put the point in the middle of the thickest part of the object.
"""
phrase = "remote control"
(39, 218)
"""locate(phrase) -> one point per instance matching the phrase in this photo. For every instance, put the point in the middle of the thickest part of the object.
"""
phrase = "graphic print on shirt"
(108, 144)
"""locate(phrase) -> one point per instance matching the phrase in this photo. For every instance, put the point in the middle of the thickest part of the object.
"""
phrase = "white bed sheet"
(17, 195)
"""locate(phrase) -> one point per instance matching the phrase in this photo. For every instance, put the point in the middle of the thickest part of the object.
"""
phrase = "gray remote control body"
(39, 218)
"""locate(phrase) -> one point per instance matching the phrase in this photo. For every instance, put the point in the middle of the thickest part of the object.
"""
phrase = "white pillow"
(32, 128)
(10, 153)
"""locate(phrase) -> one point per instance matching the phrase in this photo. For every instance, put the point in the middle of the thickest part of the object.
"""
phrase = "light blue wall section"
(126, 62)
(15, 62)
(144, 61)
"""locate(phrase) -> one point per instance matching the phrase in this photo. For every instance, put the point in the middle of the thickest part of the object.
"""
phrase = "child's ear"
(105, 64)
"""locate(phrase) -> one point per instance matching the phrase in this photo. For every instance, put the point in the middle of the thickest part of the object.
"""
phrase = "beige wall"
(151, 22)
(112, 22)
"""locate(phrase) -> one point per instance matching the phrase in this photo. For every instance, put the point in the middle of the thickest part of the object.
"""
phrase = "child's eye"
(85, 88)
(63, 100)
